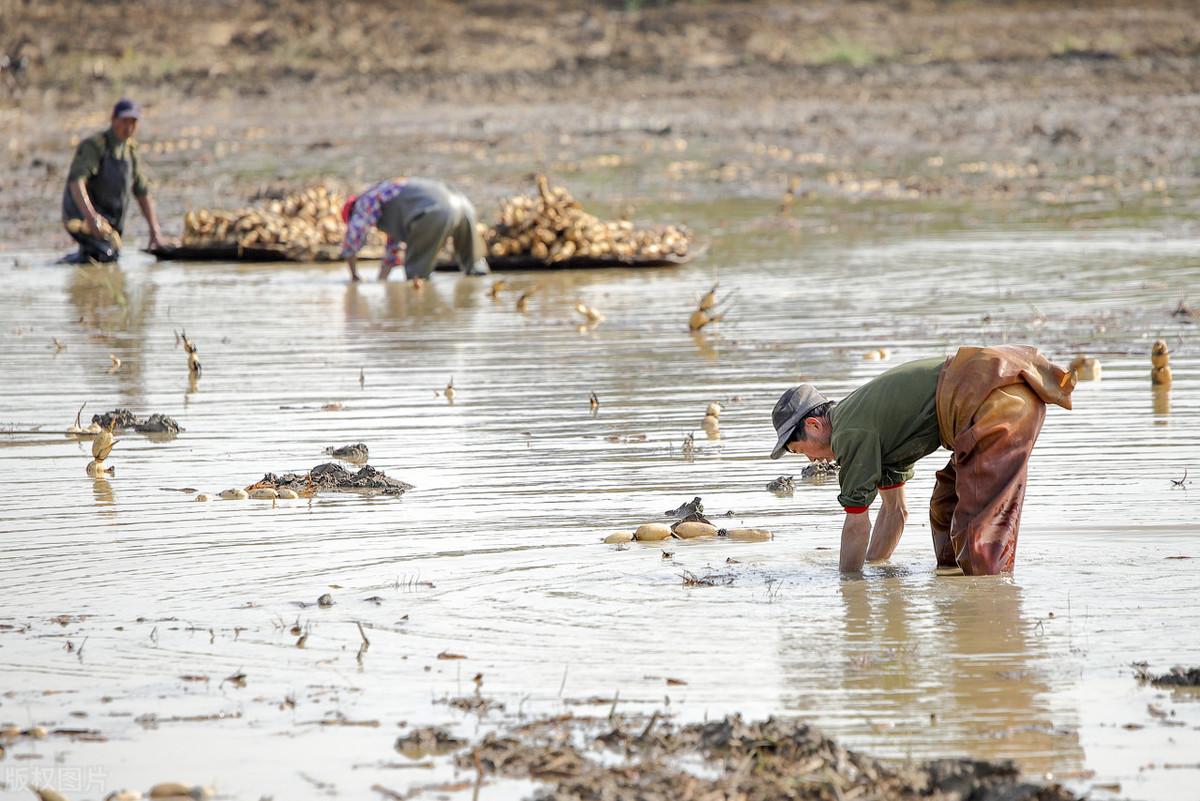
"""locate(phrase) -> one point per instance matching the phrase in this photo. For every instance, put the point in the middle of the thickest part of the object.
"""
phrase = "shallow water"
(496, 554)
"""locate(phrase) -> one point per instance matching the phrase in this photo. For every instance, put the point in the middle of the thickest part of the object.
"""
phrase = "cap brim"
(129, 115)
(788, 429)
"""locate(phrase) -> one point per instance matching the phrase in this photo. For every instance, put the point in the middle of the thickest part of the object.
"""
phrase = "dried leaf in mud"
(450, 655)
(237, 679)
(789, 759)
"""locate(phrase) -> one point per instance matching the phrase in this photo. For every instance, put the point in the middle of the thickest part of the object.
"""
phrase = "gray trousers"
(428, 232)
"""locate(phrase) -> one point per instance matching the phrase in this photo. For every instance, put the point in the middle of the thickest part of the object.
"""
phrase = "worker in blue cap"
(104, 173)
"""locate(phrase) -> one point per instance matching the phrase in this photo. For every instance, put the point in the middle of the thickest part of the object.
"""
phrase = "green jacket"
(90, 152)
(882, 428)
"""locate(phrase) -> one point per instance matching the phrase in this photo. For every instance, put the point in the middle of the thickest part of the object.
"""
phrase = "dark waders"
(109, 190)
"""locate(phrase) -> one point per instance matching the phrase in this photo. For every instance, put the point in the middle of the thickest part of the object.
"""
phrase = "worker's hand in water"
(856, 534)
(94, 226)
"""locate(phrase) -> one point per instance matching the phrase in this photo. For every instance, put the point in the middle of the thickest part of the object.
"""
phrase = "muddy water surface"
(496, 555)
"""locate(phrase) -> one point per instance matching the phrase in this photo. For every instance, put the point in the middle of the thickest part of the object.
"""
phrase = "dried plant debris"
(752, 761)
(430, 741)
(332, 477)
(119, 419)
(1177, 677)
(694, 506)
(820, 469)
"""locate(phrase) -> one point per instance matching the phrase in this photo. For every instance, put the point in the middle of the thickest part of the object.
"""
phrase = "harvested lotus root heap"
(306, 226)
(553, 227)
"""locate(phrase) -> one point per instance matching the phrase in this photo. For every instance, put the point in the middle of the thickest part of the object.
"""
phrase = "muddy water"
(496, 556)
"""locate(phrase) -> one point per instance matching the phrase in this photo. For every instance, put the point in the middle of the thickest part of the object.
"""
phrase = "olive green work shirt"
(90, 152)
(882, 428)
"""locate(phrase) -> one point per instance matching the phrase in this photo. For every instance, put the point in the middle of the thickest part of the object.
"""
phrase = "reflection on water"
(932, 666)
(496, 554)
(1162, 403)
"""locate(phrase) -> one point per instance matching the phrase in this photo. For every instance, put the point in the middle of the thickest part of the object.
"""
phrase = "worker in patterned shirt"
(103, 175)
(986, 405)
(419, 213)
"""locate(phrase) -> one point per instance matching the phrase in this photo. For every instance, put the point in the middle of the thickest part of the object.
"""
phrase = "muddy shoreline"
(963, 114)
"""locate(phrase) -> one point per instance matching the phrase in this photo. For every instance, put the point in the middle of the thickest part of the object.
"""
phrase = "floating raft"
(230, 252)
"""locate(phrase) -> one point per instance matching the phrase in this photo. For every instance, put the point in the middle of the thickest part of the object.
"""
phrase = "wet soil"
(1177, 677)
(819, 470)
(1072, 109)
(331, 477)
(119, 419)
(356, 452)
(730, 758)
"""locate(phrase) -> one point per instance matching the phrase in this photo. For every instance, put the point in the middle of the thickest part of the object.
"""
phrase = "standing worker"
(986, 405)
(422, 214)
(103, 174)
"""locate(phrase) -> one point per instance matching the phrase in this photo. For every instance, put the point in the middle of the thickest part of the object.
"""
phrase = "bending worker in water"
(420, 213)
(103, 175)
(986, 405)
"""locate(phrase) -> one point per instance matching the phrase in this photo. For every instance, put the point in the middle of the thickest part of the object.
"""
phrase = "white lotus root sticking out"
(589, 313)
(746, 534)
(652, 532)
(706, 312)
(1086, 368)
(694, 530)
(102, 445)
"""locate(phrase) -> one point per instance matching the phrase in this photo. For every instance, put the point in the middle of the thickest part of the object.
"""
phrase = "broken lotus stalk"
(1160, 364)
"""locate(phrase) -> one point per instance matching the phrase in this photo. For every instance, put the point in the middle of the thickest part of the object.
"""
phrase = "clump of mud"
(331, 477)
(784, 485)
(1177, 677)
(357, 452)
(429, 741)
(125, 419)
(820, 469)
(752, 761)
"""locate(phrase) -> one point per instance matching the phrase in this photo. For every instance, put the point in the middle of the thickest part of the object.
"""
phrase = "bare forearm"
(889, 525)
(148, 211)
(856, 534)
(83, 202)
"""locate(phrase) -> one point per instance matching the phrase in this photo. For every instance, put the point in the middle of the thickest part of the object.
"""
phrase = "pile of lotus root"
(553, 227)
(549, 227)
(305, 226)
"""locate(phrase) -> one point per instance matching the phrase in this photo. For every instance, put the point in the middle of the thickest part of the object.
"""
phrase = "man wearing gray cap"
(103, 174)
(986, 405)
